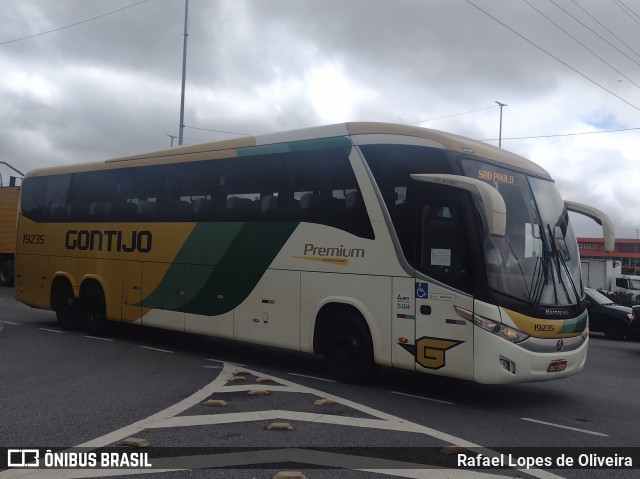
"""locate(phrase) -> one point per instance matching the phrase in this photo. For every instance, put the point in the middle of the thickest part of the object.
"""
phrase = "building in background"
(627, 251)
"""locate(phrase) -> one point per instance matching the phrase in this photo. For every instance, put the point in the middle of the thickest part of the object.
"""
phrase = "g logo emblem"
(430, 352)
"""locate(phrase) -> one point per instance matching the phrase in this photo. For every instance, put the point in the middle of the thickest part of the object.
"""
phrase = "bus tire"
(6, 272)
(93, 310)
(64, 303)
(348, 350)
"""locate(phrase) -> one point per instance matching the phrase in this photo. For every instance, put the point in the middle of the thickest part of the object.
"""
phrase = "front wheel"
(94, 311)
(349, 349)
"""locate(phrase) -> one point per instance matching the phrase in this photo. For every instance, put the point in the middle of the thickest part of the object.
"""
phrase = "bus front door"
(444, 339)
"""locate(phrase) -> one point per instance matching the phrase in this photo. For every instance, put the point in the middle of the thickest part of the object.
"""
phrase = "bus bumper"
(498, 361)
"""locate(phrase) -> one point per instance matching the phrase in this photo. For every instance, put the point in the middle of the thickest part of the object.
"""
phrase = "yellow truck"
(9, 196)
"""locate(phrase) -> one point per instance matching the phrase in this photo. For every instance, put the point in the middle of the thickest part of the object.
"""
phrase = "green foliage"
(622, 298)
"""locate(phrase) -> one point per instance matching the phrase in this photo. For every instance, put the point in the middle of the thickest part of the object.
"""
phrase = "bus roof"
(226, 148)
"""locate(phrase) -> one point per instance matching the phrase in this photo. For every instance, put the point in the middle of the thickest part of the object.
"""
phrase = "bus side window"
(58, 207)
(202, 207)
(250, 188)
(269, 206)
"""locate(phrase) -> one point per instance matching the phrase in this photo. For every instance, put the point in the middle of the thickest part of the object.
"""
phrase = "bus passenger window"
(202, 207)
(269, 205)
(310, 206)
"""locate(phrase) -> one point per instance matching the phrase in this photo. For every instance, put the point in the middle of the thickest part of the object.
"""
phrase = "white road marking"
(157, 349)
(421, 397)
(9, 322)
(171, 417)
(312, 377)
(51, 330)
(586, 431)
(99, 338)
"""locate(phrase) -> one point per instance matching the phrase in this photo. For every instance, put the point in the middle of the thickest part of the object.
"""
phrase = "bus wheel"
(94, 311)
(65, 305)
(6, 272)
(349, 350)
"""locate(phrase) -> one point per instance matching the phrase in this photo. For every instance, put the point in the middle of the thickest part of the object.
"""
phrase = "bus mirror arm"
(495, 209)
(608, 230)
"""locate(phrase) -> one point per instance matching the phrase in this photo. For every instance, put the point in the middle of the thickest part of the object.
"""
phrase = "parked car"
(634, 329)
(607, 317)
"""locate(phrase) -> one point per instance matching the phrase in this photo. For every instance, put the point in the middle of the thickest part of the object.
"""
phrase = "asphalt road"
(61, 389)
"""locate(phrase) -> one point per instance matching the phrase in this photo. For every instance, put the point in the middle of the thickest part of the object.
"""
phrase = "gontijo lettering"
(108, 240)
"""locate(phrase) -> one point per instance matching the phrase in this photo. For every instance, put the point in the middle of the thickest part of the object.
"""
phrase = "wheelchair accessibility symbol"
(422, 290)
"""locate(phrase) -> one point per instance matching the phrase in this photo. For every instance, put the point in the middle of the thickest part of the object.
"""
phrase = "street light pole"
(184, 68)
(500, 136)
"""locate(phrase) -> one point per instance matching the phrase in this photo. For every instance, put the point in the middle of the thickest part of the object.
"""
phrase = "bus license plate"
(557, 366)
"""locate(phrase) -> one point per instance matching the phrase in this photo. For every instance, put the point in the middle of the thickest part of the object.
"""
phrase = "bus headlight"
(499, 329)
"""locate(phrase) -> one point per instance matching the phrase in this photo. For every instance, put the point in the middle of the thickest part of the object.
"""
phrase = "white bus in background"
(368, 243)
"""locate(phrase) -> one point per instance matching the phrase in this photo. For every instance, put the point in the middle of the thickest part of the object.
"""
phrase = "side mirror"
(608, 230)
(495, 209)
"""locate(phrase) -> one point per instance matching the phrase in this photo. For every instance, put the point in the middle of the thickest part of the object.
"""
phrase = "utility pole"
(500, 136)
(184, 69)
(173, 137)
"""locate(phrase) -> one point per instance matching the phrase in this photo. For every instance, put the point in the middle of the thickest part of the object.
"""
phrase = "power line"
(581, 44)
(73, 24)
(626, 9)
(449, 116)
(603, 26)
(563, 134)
(553, 56)
(217, 131)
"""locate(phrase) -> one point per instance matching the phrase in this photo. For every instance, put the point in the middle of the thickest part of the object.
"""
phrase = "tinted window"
(312, 185)
(392, 167)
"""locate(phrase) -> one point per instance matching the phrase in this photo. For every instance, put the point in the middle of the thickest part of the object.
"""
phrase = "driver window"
(443, 252)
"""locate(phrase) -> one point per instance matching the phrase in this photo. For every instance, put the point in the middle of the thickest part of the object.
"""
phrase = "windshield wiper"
(542, 276)
(560, 260)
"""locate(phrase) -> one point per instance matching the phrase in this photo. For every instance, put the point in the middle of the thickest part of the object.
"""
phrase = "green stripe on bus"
(575, 325)
(220, 264)
(341, 142)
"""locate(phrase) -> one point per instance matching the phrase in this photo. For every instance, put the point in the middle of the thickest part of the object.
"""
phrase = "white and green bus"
(368, 243)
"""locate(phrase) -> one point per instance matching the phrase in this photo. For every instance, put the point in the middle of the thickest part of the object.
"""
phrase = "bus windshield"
(537, 260)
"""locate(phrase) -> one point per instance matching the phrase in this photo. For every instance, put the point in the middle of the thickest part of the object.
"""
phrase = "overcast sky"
(85, 80)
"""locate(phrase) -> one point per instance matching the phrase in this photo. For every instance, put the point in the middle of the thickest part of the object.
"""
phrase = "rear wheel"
(94, 312)
(615, 330)
(65, 305)
(349, 350)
